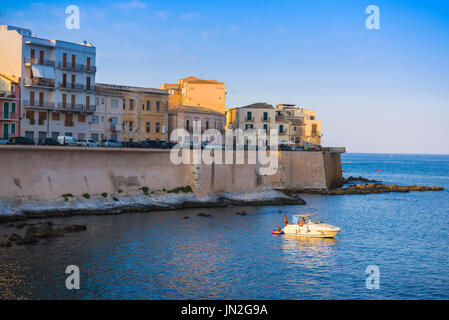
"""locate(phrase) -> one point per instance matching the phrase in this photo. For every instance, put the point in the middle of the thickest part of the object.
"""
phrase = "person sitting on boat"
(285, 220)
(303, 220)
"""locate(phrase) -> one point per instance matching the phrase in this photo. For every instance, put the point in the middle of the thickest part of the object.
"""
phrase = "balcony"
(9, 116)
(45, 62)
(77, 107)
(249, 119)
(90, 69)
(71, 66)
(70, 86)
(267, 119)
(40, 83)
(47, 105)
(90, 88)
(7, 94)
(68, 123)
(316, 134)
(115, 127)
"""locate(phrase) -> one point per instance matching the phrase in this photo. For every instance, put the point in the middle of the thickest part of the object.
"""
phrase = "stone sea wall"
(47, 173)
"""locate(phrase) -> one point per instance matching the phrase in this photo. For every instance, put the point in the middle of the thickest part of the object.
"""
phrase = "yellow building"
(144, 112)
(195, 92)
(310, 132)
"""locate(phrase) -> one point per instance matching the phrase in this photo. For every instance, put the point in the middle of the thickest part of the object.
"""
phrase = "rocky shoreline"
(19, 210)
(23, 233)
(12, 210)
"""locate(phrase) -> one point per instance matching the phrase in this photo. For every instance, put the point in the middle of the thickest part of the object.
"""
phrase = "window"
(42, 116)
(143, 106)
(248, 126)
(13, 107)
(265, 127)
(13, 128)
(114, 103)
(94, 120)
(265, 116)
(55, 135)
(312, 117)
(148, 105)
(97, 101)
(88, 63)
(30, 116)
(147, 127)
(68, 134)
(158, 106)
(130, 126)
(314, 129)
(248, 115)
(42, 134)
(64, 59)
(29, 135)
(102, 100)
(81, 118)
(55, 116)
(94, 136)
(281, 128)
(124, 104)
(131, 104)
(163, 129)
(88, 83)
(187, 124)
(157, 127)
(207, 125)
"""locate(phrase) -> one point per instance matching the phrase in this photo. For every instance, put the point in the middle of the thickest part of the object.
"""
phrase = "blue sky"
(381, 90)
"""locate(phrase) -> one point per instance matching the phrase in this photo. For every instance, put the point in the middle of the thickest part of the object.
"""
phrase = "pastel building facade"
(310, 131)
(186, 117)
(144, 112)
(254, 116)
(195, 92)
(9, 107)
(57, 82)
(107, 121)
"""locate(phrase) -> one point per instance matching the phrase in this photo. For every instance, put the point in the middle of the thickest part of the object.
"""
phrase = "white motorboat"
(309, 228)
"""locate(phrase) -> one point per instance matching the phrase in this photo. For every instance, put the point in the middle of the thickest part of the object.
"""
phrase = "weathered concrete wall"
(49, 172)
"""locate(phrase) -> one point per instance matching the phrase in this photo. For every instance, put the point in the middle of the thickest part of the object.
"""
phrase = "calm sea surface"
(159, 255)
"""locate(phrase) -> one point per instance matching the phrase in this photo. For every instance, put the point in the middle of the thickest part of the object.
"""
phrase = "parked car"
(3, 141)
(48, 142)
(68, 141)
(168, 144)
(130, 144)
(286, 147)
(89, 143)
(20, 140)
(154, 144)
(110, 143)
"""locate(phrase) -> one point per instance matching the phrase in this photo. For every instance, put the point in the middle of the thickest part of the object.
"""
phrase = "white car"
(68, 141)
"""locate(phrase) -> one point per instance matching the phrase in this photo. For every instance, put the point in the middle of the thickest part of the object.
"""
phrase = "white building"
(57, 81)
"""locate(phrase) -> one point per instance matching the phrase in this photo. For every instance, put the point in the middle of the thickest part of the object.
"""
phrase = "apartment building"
(57, 82)
(195, 92)
(107, 121)
(144, 112)
(9, 107)
(254, 116)
(305, 128)
(183, 117)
